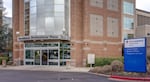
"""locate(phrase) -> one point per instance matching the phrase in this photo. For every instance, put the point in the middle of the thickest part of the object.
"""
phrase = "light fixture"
(17, 33)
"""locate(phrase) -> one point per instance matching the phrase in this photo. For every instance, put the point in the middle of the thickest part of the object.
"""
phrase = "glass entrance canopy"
(48, 17)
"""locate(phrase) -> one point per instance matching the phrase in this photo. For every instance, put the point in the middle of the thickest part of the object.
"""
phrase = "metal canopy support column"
(59, 54)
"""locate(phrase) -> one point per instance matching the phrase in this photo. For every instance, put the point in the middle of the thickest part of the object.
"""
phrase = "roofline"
(143, 11)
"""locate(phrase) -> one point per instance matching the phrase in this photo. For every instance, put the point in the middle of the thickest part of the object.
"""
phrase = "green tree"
(5, 38)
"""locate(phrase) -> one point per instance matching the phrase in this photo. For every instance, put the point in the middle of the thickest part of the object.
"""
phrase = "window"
(59, 8)
(96, 25)
(29, 54)
(142, 20)
(47, 16)
(128, 36)
(96, 3)
(128, 23)
(65, 51)
(128, 8)
(112, 27)
(59, 1)
(113, 5)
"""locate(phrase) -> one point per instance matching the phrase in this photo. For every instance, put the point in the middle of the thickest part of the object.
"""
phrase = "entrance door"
(44, 57)
(37, 57)
(53, 57)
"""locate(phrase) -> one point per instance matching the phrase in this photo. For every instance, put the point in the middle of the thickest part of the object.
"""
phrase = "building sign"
(50, 37)
(135, 55)
(91, 58)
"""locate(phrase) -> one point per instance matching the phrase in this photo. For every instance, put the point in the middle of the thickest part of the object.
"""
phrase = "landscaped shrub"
(106, 69)
(148, 68)
(96, 69)
(148, 59)
(3, 58)
(117, 66)
(105, 61)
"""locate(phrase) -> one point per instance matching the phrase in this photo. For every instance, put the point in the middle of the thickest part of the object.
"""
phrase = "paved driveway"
(42, 76)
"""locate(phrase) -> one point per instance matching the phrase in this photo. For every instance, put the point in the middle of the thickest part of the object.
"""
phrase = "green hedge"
(105, 61)
(1, 58)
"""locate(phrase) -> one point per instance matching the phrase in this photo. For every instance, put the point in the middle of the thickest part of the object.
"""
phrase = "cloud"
(143, 4)
(8, 6)
(140, 4)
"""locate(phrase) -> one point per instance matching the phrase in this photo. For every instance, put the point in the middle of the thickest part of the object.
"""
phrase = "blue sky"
(140, 4)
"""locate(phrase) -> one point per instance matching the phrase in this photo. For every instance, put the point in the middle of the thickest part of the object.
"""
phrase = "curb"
(130, 78)
(123, 77)
(49, 70)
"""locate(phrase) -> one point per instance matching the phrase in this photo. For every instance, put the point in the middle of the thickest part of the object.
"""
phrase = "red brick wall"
(82, 42)
(18, 26)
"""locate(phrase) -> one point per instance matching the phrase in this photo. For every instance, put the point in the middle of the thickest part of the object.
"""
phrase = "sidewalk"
(46, 68)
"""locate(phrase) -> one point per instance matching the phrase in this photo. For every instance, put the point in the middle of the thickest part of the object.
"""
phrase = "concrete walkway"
(46, 68)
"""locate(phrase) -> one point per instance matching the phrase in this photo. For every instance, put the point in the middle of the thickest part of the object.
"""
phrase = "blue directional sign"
(135, 55)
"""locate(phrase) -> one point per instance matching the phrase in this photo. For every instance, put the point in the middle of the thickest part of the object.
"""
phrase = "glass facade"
(128, 36)
(54, 53)
(128, 8)
(48, 17)
(128, 23)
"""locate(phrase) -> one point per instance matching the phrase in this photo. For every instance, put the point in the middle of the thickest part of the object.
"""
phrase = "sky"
(140, 4)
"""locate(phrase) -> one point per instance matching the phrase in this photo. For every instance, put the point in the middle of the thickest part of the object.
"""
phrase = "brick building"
(53, 32)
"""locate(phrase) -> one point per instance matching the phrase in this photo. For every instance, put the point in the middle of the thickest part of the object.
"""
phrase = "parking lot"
(44, 76)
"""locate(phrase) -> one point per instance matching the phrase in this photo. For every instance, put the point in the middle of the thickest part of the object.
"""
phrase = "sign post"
(135, 55)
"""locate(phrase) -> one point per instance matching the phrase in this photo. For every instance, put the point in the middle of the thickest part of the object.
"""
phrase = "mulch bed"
(131, 74)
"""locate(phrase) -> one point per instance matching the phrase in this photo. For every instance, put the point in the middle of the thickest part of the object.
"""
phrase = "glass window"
(47, 17)
(59, 14)
(29, 63)
(50, 25)
(28, 44)
(59, 8)
(128, 23)
(49, 9)
(112, 27)
(128, 36)
(37, 45)
(29, 54)
(33, 10)
(53, 54)
(59, 1)
(33, 22)
(96, 3)
(53, 63)
(66, 54)
(59, 24)
(32, 3)
(65, 51)
(128, 8)
(40, 2)
(44, 45)
(113, 5)
(49, 2)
